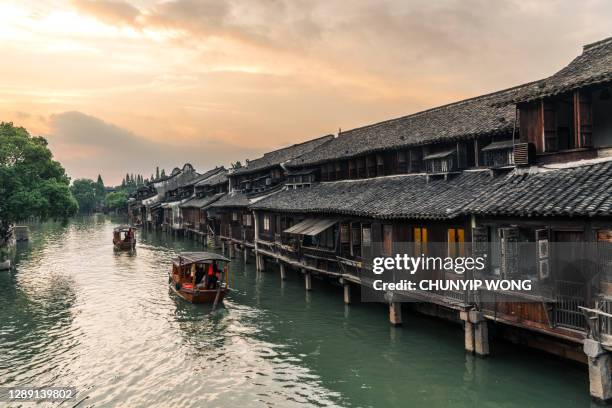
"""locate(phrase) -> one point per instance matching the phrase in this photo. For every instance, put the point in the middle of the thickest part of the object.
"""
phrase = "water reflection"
(76, 312)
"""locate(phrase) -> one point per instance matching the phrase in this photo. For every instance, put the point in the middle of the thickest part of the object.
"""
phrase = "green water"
(76, 313)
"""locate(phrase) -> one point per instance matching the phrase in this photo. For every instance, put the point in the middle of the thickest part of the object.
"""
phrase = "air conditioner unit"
(524, 154)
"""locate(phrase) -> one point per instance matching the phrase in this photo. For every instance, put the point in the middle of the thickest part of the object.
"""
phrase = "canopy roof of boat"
(124, 228)
(196, 257)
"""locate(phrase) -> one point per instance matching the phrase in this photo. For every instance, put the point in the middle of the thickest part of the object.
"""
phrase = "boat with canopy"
(200, 277)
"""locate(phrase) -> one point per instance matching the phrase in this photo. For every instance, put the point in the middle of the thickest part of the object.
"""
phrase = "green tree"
(117, 200)
(236, 165)
(156, 173)
(32, 184)
(163, 173)
(84, 191)
(100, 190)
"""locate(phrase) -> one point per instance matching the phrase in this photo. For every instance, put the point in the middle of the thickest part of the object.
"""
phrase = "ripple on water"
(78, 313)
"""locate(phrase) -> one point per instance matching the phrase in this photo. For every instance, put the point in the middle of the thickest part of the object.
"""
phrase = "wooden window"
(420, 240)
(380, 165)
(266, 222)
(387, 233)
(370, 166)
(247, 220)
(416, 160)
(344, 234)
(584, 118)
(338, 175)
(456, 242)
(559, 123)
(234, 216)
(355, 239)
(361, 170)
(401, 162)
(509, 251)
(352, 169)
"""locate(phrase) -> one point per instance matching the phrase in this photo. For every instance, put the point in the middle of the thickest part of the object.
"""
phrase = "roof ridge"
(445, 106)
(293, 145)
(596, 44)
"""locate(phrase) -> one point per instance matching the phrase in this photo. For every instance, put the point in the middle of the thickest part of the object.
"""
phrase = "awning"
(439, 155)
(311, 226)
(504, 144)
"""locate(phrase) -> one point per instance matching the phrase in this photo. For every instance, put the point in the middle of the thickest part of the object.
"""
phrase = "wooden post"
(395, 313)
(600, 382)
(283, 272)
(232, 250)
(347, 293)
(223, 247)
(308, 280)
(476, 332)
(246, 254)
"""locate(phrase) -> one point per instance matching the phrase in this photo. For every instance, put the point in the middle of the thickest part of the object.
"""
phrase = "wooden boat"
(124, 238)
(200, 277)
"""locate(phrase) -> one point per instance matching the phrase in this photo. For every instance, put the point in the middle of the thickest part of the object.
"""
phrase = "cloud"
(109, 11)
(88, 146)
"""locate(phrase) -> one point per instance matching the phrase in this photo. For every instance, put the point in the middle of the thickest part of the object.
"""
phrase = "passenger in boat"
(200, 277)
(213, 276)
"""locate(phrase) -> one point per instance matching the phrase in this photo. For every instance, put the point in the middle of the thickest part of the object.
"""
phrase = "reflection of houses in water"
(523, 175)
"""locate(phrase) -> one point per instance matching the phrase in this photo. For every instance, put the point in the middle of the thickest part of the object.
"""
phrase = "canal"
(76, 313)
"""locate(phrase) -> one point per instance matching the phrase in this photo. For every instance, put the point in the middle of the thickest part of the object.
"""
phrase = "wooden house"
(259, 178)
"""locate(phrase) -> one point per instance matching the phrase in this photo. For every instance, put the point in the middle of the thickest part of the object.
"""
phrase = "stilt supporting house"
(347, 292)
(283, 271)
(260, 262)
(476, 332)
(245, 253)
(600, 381)
(395, 313)
(308, 280)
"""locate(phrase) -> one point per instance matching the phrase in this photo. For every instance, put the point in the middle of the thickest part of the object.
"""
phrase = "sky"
(122, 86)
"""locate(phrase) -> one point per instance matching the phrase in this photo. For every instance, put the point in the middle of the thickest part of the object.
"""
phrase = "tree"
(100, 190)
(163, 173)
(236, 165)
(117, 200)
(84, 191)
(32, 184)
(156, 173)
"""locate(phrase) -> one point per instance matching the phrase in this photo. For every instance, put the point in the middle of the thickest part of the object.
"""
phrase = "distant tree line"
(94, 196)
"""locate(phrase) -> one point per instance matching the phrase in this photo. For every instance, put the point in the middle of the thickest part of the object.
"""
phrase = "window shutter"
(416, 160)
(509, 251)
(551, 144)
(480, 245)
(542, 253)
(461, 155)
(585, 118)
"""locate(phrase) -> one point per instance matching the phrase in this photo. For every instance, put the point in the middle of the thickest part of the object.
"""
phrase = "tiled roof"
(591, 67)
(406, 196)
(208, 174)
(460, 120)
(233, 199)
(201, 202)
(218, 178)
(584, 190)
(283, 155)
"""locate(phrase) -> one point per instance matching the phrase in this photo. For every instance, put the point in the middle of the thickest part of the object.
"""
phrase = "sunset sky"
(122, 86)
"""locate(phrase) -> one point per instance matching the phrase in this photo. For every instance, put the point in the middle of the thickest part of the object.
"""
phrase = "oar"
(217, 297)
